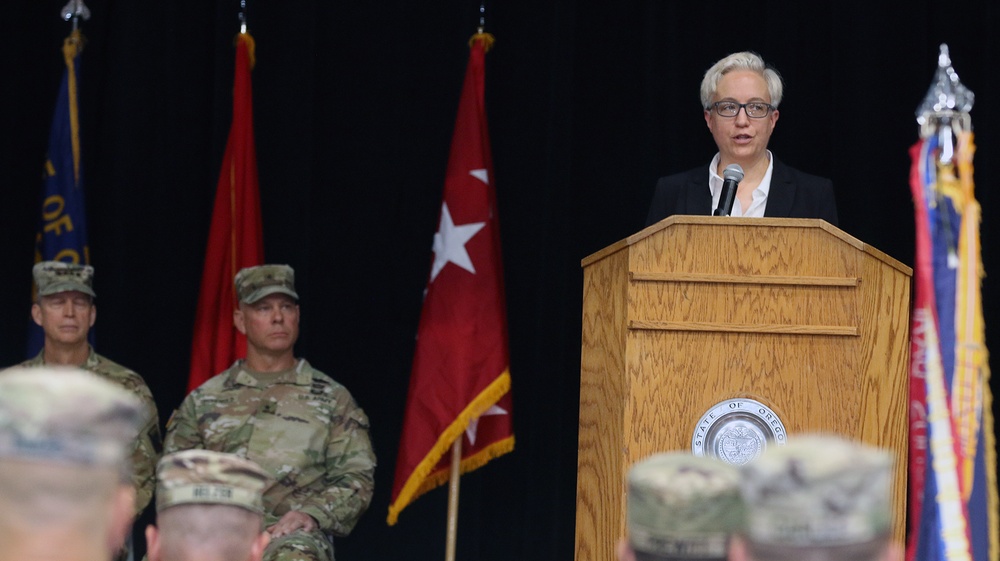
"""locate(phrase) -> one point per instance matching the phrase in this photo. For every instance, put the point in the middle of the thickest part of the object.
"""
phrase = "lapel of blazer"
(781, 193)
(698, 198)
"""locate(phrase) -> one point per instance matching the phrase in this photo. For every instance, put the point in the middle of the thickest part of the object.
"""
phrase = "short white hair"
(745, 60)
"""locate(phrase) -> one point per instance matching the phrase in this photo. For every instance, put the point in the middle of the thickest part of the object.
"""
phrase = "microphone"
(731, 178)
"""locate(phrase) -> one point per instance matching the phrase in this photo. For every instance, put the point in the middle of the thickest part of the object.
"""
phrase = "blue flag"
(62, 227)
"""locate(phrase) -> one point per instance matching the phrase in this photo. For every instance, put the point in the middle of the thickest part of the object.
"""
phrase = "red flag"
(460, 383)
(235, 239)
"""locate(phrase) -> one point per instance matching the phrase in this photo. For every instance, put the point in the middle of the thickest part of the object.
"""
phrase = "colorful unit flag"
(235, 239)
(952, 471)
(460, 383)
(62, 229)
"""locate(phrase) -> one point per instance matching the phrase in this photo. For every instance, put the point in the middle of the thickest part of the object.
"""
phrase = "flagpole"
(243, 16)
(456, 448)
(452, 534)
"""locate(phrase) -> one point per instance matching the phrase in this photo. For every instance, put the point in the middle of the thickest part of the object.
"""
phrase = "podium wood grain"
(692, 311)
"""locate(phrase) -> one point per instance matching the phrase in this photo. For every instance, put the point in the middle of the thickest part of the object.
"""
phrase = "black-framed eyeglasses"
(754, 109)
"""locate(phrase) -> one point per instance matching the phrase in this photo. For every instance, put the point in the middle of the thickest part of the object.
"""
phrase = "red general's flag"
(460, 383)
(235, 239)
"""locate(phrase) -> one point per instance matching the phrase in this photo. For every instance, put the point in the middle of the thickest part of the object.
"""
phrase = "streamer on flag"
(62, 227)
(235, 238)
(952, 464)
(460, 381)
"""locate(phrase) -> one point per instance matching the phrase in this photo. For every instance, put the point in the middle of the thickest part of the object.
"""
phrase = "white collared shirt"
(756, 209)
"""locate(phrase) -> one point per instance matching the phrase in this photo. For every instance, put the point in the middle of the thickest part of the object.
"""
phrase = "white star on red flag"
(481, 174)
(449, 243)
(470, 432)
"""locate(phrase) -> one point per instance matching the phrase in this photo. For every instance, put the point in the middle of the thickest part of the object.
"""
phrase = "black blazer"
(793, 194)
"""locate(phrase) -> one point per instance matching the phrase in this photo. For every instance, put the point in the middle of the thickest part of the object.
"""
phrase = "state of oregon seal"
(736, 431)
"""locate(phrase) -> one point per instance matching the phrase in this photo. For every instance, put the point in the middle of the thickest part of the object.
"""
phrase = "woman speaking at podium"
(740, 96)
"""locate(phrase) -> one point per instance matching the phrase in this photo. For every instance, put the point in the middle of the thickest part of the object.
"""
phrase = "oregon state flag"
(235, 238)
(62, 228)
(952, 464)
(460, 381)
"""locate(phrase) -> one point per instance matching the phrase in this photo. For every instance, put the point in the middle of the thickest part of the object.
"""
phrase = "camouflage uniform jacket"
(299, 425)
(146, 453)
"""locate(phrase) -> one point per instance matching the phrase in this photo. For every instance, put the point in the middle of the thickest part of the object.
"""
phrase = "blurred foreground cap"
(682, 506)
(818, 490)
(68, 415)
(207, 477)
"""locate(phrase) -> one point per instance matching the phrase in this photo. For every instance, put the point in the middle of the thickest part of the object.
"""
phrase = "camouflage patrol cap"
(682, 506)
(208, 477)
(254, 283)
(66, 415)
(818, 490)
(52, 277)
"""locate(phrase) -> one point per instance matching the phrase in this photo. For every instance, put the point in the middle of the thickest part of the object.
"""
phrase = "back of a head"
(65, 435)
(190, 532)
(209, 506)
(819, 497)
(745, 60)
(66, 417)
(683, 507)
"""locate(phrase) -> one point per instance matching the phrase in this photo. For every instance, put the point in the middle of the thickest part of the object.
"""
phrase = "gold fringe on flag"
(972, 400)
(970, 348)
(424, 478)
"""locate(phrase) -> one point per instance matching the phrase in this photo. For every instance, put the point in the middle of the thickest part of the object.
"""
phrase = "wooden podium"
(695, 310)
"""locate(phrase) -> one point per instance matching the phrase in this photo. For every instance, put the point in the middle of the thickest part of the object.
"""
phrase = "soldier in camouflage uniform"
(65, 487)
(209, 505)
(297, 423)
(681, 507)
(818, 498)
(65, 310)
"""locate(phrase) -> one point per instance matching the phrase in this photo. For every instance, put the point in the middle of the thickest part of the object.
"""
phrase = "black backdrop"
(354, 106)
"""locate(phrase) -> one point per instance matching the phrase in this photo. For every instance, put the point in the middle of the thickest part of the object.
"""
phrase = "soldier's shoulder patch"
(358, 416)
